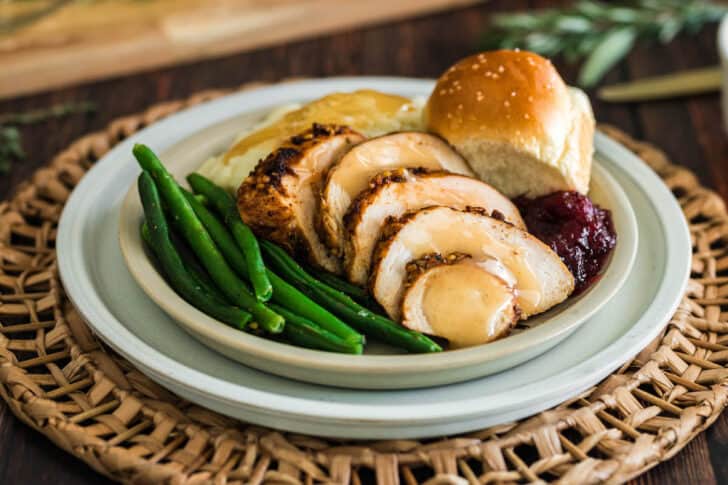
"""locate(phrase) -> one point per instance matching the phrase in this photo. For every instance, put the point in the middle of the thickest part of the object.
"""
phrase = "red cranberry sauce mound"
(580, 232)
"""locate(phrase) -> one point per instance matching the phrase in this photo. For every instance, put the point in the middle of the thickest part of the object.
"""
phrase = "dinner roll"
(514, 120)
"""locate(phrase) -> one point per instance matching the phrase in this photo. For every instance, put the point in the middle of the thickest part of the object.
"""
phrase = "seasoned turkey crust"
(390, 229)
(482, 326)
(544, 282)
(394, 192)
(279, 200)
(351, 174)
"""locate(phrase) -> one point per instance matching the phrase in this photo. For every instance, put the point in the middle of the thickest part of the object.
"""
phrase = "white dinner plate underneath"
(98, 282)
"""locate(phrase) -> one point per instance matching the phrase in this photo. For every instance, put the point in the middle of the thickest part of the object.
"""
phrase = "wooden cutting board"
(66, 42)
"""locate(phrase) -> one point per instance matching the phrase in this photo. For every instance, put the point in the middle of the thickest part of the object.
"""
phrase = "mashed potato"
(369, 112)
(230, 173)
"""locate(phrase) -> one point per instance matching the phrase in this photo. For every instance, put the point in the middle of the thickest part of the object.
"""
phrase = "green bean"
(357, 293)
(306, 333)
(192, 263)
(290, 297)
(201, 243)
(283, 293)
(342, 305)
(158, 240)
(188, 261)
(298, 330)
(220, 235)
(225, 206)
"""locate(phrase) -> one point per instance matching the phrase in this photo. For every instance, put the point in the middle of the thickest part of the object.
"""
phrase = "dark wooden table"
(690, 130)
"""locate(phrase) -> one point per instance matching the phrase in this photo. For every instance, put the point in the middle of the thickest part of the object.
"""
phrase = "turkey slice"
(459, 299)
(541, 279)
(352, 173)
(280, 199)
(391, 194)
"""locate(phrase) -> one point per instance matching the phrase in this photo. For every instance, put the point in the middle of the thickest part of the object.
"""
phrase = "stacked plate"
(110, 279)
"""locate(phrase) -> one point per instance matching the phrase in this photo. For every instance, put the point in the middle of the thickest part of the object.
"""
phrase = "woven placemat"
(59, 379)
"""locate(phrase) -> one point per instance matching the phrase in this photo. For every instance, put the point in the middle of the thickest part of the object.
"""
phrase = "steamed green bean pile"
(214, 261)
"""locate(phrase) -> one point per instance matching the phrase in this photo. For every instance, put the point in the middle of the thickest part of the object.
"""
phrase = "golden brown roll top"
(514, 120)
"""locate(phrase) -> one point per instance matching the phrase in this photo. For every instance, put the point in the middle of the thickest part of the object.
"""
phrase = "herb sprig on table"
(11, 147)
(599, 33)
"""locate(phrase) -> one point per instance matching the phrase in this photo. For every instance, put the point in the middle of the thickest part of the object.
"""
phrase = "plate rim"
(660, 197)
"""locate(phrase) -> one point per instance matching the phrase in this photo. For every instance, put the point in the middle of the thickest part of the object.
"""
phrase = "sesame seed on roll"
(516, 122)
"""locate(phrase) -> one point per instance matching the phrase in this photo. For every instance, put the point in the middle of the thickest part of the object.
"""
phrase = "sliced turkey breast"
(280, 199)
(459, 299)
(352, 173)
(541, 279)
(393, 193)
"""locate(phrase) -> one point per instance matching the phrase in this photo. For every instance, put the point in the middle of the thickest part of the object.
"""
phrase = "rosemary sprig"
(11, 147)
(43, 114)
(600, 33)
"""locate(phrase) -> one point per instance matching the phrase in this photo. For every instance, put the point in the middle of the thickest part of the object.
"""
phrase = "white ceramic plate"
(373, 370)
(97, 281)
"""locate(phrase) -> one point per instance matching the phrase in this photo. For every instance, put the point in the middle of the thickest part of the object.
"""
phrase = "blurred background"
(70, 66)
(47, 44)
(53, 43)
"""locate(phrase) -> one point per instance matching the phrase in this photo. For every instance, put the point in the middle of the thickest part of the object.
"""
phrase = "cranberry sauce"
(581, 233)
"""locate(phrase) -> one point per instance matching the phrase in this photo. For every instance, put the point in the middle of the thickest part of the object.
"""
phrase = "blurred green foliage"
(599, 33)
(11, 146)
